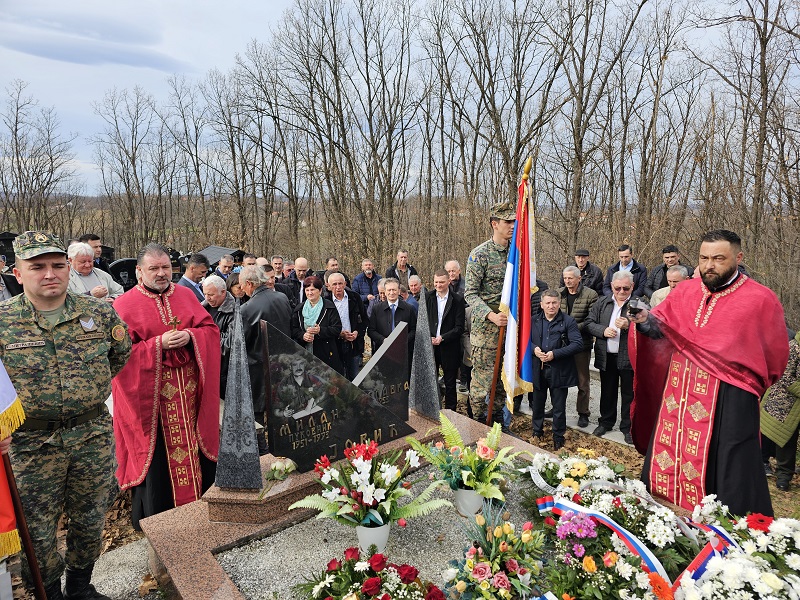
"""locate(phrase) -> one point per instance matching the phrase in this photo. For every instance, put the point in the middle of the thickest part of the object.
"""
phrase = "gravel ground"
(268, 568)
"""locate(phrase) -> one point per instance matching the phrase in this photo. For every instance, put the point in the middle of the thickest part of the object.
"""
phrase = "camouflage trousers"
(76, 480)
(481, 385)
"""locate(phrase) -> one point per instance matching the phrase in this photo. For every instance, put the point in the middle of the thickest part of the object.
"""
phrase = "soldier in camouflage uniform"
(61, 351)
(486, 270)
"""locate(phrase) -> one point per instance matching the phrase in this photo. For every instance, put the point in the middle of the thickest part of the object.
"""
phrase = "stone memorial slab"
(385, 377)
(124, 271)
(238, 465)
(424, 393)
(313, 410)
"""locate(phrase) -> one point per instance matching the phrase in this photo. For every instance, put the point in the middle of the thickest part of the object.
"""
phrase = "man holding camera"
(708, 353)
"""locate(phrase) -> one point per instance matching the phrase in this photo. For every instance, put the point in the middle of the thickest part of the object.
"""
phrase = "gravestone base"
(244, 506)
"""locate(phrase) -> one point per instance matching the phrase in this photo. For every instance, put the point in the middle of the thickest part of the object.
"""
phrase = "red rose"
(333, 565)
(577, 499)
(434, 593)
(401, 522)
(372, 586)
(550, 521)
(407, 573)
(377, 562)
(351, 554)
(385, 597)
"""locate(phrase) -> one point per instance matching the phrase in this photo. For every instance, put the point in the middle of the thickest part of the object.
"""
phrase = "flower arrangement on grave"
(357, 577)
(501, 563)
(365, 489)
(482, 468)
(762, 558)
(586, 568)
(563, 476)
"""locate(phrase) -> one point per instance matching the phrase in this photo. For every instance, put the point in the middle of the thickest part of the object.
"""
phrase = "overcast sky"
(71, 53)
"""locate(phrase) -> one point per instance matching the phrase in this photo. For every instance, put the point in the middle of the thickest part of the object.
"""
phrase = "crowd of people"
(682, 366)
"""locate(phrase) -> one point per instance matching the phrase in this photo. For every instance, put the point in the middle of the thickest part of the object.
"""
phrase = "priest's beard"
(714, 280)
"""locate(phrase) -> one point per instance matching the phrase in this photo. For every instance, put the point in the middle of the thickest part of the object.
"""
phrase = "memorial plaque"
(313, 410)
(424, 396)
(238, 463)
(385, 377)
(124, 272)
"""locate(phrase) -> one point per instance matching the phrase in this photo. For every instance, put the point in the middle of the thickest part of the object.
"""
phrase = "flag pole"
(24, 534)
(502, 333)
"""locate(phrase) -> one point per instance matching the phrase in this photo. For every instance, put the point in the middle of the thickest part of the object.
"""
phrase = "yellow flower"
(526, 537)
(480, 520)
(351, 596)
(470, 564)
(461, 586)
(498, 531)
(587, 452)
(504, 594)
(508, 528)
(570, 482)
(579, 469)
(589, 565)
(484, 585)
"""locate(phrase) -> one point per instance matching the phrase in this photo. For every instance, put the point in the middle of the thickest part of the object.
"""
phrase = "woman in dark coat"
(316, 324)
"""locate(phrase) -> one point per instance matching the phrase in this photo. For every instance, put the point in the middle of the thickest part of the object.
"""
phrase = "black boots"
(53, 591)
(79, 587)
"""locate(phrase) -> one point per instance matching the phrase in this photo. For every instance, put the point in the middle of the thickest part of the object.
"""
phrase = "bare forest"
(360, 126)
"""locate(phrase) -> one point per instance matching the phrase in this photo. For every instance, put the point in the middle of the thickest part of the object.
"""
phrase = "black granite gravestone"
(385, 377)
(424, 393)
(238, 464)
(124, 271)
(312, 410)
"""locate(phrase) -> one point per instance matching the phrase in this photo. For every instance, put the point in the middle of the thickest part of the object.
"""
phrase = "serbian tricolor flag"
(11, 417)
(515, 302)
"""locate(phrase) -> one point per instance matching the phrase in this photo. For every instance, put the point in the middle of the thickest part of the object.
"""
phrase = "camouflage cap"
(35, 243)
(504, 210)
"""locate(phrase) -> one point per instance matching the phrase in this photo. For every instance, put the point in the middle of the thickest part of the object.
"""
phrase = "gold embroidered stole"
(678, 462)
(178, 414)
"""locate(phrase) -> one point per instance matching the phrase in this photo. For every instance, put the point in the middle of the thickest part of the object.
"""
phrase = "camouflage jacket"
(62, 371)
(486, 270)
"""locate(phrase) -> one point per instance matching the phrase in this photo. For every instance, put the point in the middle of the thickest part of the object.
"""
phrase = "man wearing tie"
(386, 315)
(446, 320)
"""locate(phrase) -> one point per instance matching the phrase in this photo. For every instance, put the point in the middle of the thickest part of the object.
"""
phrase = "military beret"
(504, 210)
(35, 243)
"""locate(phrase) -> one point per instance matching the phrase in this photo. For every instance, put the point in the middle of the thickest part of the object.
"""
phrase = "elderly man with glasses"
(608, 322)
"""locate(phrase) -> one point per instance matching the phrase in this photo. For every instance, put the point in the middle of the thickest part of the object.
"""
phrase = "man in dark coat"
(268, 305)
(657, 278)
(555, 339)
(607, 321)
(446, 321)
(220, 304)
(354, 319)
(384, 318)
(591, 275)
(365, 284)
(627, 263)
(196, 269)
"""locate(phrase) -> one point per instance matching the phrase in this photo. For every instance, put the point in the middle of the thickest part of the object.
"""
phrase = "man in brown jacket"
(576, 301)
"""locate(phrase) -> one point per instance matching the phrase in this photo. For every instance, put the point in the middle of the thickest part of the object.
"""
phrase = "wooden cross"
(174, 323)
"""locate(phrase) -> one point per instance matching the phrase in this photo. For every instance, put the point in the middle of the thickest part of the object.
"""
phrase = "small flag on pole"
(515, 302)
(11, 417)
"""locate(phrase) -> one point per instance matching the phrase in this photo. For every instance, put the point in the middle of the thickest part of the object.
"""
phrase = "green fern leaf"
(449, 432)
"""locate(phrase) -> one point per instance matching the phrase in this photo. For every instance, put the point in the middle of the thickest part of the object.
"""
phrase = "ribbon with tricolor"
(11, 417)
(634, 544)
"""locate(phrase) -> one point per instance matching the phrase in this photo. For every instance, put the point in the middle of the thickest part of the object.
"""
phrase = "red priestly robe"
(736, 336)
(177, 388)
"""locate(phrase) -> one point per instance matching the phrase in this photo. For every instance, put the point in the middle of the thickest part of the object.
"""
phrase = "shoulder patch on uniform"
(118, 333)
(472, 258)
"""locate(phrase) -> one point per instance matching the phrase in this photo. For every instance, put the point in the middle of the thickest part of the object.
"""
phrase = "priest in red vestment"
(702, 359)
(166, 399)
